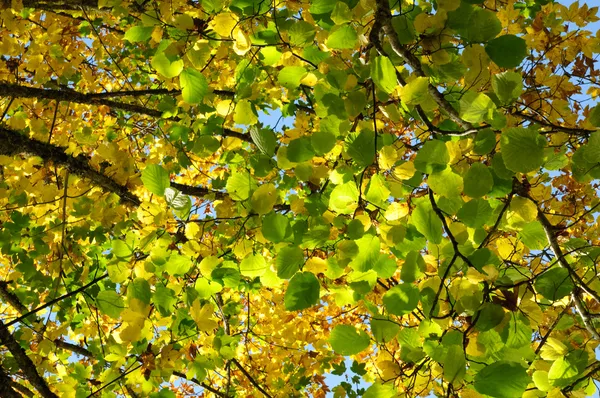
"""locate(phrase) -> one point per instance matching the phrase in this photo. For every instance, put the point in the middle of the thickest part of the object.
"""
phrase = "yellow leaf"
(242, 41)
(224, 23)
(404, 171)
(316, 265)
(387, 157)
(264, 198)
(396, 211)
(310, 80)
(521, 211)
(203, 316)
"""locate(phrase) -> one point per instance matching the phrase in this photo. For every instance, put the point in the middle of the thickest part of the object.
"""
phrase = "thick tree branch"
(5, 385)
(56, 300)
(14, 301)
(554, 127)
(18, 91)
(250, 378)
(201, 384)
(13, 143)
(25, 363)
(383, 23)
(77, 349)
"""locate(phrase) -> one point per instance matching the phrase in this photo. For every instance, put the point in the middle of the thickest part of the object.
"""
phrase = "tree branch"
(68, 95)
(383, 23)
(250, 378)
(5, 386)
(13, 143)
(25, 363)
(56, 300)
(201, 384)
(554, 127)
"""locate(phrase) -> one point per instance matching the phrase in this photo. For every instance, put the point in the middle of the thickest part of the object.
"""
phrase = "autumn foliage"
(246, 198)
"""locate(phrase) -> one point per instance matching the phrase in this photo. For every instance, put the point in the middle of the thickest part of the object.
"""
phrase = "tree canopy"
(240, 198)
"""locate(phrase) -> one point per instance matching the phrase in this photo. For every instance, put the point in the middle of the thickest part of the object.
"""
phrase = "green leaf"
(300, 150)
(592, 148)
(301, 33)
(377, 191)
(139, 289)
(121, 249)
(321, 6)
(478, 180)
(240, 185)
(567, 369)
(446, 182)
(163, 65)
(502, 379)
(302, 292)
(402, 299)
(178, 264)
(483, 25)
(475, 213)
(485, 141)
(342, 37)
(138, 34)
(427, 222)
(156, 179)
(164, 299)
(475, 107)
(245, 113)
(413, 267)
(182, 204)
(490, 316)
(360, 146)
(348, 340)
(533, 236)
(253, 265)
(194, 86)
(433, 156)
(264, 198)
(323, 141)
(508, 86)
(522, 149)
(276, 227)
(109, 302)
(507, 51)
(594, 116)
(264, 139)
(554, 284)
(384, 74)
(288, 261)
(416, 91)
(290, 76)
(455, 364)
(381, 391)
(344, 198)
(368, 253)
(384, 330)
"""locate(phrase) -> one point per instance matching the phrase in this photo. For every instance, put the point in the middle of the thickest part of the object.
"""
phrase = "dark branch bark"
(51, 5)
(554, 127)
(201, 384)
(25, 363)
(5, 386)
(14, 301)
(77, 349)
(56, 300)
(18, 91)
(250, 378)
(383, 23)
(197, 191)
(13, 143)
